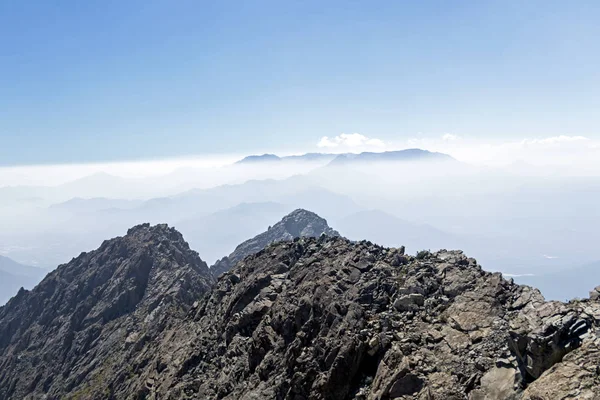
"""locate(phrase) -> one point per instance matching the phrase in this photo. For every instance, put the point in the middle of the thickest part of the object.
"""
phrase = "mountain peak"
(147, 232)
(130, 287)
(298, 223)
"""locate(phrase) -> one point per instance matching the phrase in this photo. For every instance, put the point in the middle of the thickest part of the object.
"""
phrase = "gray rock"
(311, 318)
(299, 223)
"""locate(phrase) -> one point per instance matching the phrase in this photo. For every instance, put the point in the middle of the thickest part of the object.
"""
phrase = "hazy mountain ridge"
(272, 158)
(322, 318)
(14, 275)
(346, 158)
(492, 213)
(391, 156)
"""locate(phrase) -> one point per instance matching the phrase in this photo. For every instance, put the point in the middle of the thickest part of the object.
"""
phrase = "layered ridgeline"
(310, 318)
(299, 223)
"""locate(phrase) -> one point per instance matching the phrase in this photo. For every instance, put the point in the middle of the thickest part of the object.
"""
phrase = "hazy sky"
(89, 81)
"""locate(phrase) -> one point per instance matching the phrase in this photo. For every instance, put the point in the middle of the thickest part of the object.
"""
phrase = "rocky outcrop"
(310, 318)
(330, 319)
(299, 223)
(79, 333)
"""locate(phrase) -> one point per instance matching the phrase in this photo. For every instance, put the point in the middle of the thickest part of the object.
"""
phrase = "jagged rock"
(309, 318)
(342, 322)
(299, 223)
(577, 376)
(595, 294)
(93, 324)
(497, 384)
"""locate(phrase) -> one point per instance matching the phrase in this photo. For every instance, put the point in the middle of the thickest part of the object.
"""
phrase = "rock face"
(299, 223)
(311, 318)
(330, 319)
(82, 329)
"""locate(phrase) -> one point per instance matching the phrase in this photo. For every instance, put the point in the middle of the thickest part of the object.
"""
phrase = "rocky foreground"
(313, 318)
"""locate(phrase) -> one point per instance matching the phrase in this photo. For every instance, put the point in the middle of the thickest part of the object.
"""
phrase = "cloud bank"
(576, 153)
(350, 141)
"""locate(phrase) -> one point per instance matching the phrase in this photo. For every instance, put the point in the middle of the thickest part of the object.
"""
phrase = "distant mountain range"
(389, 230)
(567, 284)
(345, 158)
(267, 158)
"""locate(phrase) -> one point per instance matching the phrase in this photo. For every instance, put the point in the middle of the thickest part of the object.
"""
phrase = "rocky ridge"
(309, 318)
(298, 223)
(330, 319)
(92, 319)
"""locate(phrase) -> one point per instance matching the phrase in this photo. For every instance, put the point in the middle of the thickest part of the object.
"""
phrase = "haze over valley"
(516, 219)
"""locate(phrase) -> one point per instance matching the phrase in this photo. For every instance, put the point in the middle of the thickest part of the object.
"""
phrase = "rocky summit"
(79, 333)
(309, 318)
(299, 223)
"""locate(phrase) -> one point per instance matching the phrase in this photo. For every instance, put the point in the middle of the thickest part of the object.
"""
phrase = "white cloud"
(50, 175)
(448, 137)
(574, 154)
(350, 140)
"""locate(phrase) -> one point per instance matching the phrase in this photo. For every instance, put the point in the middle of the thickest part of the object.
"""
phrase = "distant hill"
(272, 158)
(259, 159)
(79, 205)
(338, 159)
(567, 284)
(12, 267)
(389, 230)
(299, 223)
(391, 156)
(14, 276)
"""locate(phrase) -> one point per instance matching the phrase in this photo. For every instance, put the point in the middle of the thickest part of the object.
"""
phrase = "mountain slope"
(299, 223)
(93, 319)
(314, 318)
(331, 319)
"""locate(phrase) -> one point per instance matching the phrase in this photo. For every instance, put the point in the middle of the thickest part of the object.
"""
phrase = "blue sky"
(88, 81)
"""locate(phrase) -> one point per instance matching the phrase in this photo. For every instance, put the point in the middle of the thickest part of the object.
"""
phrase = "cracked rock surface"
(83, 331)
(309, 318)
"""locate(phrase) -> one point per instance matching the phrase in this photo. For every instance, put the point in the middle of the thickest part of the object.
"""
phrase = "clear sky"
(104, 80)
